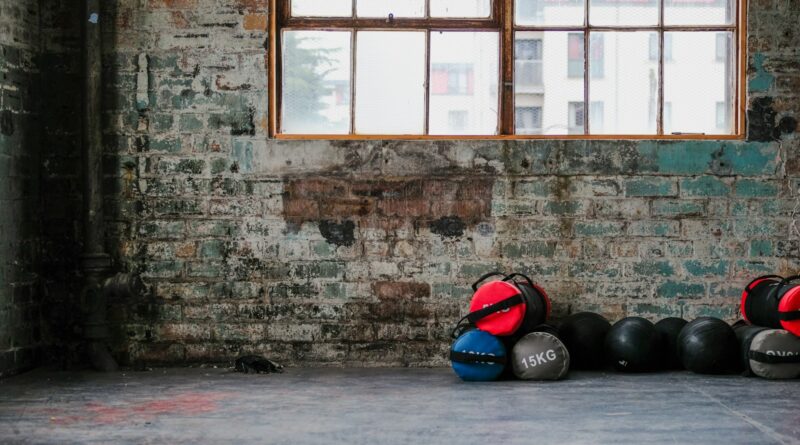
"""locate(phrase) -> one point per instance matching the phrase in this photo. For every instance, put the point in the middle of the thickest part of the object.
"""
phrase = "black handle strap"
(749, 286)
(789, 316)
(490, 274)
(773, 359)
(788, 280)
(474, 317)
(471, 357)
(508, 303)
(523, 276)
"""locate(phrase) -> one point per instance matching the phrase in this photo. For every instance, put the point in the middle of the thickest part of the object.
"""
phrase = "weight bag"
(632, 345)
(477, 356)
(510, 341)
(708, 345)
(769, 353)
(668, 329)
(540, 356)
(774, 302)
(503, 307)
(584, 334)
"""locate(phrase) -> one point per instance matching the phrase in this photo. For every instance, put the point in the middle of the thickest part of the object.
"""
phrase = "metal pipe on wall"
(95, 262)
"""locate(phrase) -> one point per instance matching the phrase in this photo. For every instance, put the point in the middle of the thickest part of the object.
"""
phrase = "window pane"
(629, 86)
(316, 82)
(699, 12)
(628, 13)
(382, 8)
(390, 78)
(461, 8)
(696, 98)
(548, 82)
(464, 74)
(548, 12)
(327, 8)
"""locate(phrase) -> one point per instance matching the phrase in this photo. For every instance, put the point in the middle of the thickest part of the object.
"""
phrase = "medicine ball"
(632, 345)
(478, 356)
(774, 302)
(708, 345)
(584, 334)
(504, 306)
(540, 356)
(668, 329)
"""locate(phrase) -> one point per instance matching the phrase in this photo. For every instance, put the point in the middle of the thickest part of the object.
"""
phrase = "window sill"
(670, 137)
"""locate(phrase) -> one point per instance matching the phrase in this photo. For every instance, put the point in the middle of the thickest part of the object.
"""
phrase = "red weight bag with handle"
(774, 302)
(505, 306)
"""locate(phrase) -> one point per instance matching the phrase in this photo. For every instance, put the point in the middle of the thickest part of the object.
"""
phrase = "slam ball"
(583, 334)
(668, 329)
(708, 345)
(632, 345)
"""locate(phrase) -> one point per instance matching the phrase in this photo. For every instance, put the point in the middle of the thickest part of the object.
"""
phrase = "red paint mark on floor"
(186, 404)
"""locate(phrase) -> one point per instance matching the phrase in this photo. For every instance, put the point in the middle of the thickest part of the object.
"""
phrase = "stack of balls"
(505, 335)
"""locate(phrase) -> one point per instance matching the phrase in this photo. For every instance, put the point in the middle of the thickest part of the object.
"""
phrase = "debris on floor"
(256, 364)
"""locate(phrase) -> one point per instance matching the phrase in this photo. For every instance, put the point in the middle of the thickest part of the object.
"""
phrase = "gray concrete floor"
(387, 406)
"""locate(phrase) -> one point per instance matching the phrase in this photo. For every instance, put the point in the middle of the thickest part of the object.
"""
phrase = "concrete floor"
(387, 406)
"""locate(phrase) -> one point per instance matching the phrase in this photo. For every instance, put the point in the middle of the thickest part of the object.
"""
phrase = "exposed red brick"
(172, 4)
(401, 290)
(180, 20)
(251, 5)
(303, 209)
(388, 204)
(255, 22)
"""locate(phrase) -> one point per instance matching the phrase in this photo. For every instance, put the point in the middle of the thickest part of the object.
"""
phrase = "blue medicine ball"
(478, 356)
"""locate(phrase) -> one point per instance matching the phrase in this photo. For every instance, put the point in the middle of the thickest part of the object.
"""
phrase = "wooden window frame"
(501, 20)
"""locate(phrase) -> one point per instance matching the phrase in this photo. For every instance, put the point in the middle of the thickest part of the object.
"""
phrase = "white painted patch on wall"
(94, 18)
(142, 83)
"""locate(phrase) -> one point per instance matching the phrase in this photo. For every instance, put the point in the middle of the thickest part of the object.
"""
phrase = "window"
(654, 42)
(723, 111)
(576, 117)
(528, 62)
(457, 119)
(529, 120)
(596, 115)
(452, 78)
(575, 55)
(722, 46)
(530, 68)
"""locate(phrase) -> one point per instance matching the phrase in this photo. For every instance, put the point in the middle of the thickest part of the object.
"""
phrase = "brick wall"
(20, 242)
(361, 253)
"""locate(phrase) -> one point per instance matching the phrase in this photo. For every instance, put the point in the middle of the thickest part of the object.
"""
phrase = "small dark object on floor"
(256, 364)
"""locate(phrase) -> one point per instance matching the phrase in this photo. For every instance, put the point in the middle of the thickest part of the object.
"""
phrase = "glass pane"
(548, 82)
(461, 8)
(463, 82)
(700, 103)
(327, 8)
(699, 12)
(548, 12)
(316, 82)
(382, 8)
(390, 82)
(627, 13)
(627, 85)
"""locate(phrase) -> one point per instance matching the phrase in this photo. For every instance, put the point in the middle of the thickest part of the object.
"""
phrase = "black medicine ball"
(632, 345)
(708, 345)
(668, 329)
(583, 334)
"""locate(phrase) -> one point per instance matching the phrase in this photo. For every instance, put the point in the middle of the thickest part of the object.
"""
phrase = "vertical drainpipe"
(95, 262)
